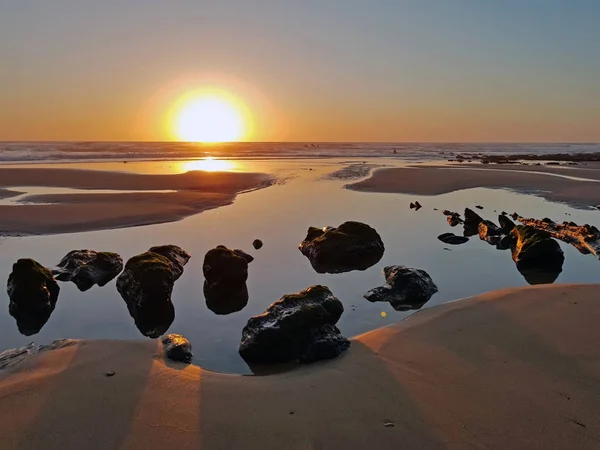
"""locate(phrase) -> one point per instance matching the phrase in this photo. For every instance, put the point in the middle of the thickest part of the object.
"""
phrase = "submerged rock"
(88, 267)
(223, 300)
(33, 294)
(471, 223)
(405, 288)
(452, 239)
(177, 348)
(146, 285)
(257, 244)
(351, 246)
(539, 258)
(299, 327)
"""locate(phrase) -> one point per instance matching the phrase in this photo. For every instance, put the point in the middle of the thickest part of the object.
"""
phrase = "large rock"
(351, 246)
(471, 222)
(225, 273)
(452, 239)
(405, 288)
(539, 258)
(173, 253)
(33, 294)
(299, 327)
(86, 268)
(146, 285)
(177, 348)
(226, 267)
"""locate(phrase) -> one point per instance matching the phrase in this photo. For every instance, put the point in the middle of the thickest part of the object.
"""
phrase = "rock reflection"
(225, 300)
(33, 294)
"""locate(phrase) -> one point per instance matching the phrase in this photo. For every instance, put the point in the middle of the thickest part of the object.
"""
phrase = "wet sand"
(194, 192)
(517, 368)
(433, 180)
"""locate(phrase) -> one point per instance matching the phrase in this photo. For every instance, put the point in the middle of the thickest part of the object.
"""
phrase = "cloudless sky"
(310, 70)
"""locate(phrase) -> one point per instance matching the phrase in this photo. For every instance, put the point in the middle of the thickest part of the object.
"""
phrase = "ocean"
(47, 152)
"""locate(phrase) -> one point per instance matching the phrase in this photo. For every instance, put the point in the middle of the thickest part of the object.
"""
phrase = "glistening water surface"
(280, 216)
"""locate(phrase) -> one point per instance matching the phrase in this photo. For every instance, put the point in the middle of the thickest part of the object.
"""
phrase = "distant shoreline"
(194, 192)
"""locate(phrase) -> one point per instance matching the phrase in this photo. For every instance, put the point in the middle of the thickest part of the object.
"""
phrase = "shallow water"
(280, 216)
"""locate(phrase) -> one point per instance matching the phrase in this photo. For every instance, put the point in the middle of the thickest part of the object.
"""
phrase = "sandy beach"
(436, 180)
(192, 192)
(517, 368)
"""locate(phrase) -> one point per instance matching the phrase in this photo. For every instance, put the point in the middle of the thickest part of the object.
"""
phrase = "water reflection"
(223, 300)
(209, 165)
(33, 294)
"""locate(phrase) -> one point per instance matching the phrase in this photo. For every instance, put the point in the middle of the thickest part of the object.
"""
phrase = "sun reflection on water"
(209, 165)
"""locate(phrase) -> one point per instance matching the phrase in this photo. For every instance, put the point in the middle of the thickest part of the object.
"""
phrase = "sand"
(431, 180)
(194, 192)
(518, 368)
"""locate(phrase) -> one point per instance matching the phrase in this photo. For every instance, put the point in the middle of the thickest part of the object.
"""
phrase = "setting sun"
(209, 118)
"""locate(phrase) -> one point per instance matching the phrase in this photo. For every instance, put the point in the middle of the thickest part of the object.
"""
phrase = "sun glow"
(209, 117)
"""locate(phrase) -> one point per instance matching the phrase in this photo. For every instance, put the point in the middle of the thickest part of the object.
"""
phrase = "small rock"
(478, 206)
(257, 244)
(412, 205)
(88, 267)
(109, 374)
(388, 424)
(417, 206)
(177, 348)
(405, 288)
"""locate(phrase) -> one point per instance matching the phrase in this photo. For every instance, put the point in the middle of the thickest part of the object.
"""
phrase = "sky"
(310, 70)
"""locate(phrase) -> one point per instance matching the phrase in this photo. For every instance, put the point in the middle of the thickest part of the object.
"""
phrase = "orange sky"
(306, 72)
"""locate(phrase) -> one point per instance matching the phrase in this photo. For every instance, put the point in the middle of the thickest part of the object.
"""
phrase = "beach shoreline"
(191, 193)
(438, 180)
(443, 378)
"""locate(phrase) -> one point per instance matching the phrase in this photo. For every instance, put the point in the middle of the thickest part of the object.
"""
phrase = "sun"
(209, 118)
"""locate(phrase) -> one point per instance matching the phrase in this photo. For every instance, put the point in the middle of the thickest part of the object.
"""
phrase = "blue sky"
(380, 70)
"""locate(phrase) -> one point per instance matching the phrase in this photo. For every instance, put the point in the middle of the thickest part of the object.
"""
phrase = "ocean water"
(22, 152)
(280, 216)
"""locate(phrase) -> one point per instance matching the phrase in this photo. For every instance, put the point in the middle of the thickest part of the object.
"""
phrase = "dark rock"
(109, 374)
(222, 299)
(452, 239)
(412, 205)
(585, 238)
(478, 206)
(225, 267)
(504, 213)
(33, 294)
(351, 246)
(506, 225)
(417, 206)
(489, 232)
(146, 285)
(173, 253)
(471, 222)
(454, 219)
(299, 327)
(177, 348)
(88, 267)
(514, 216)
(447, 212)
(405, 288)
(539, 258)
(506, 242)
(257, 244)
